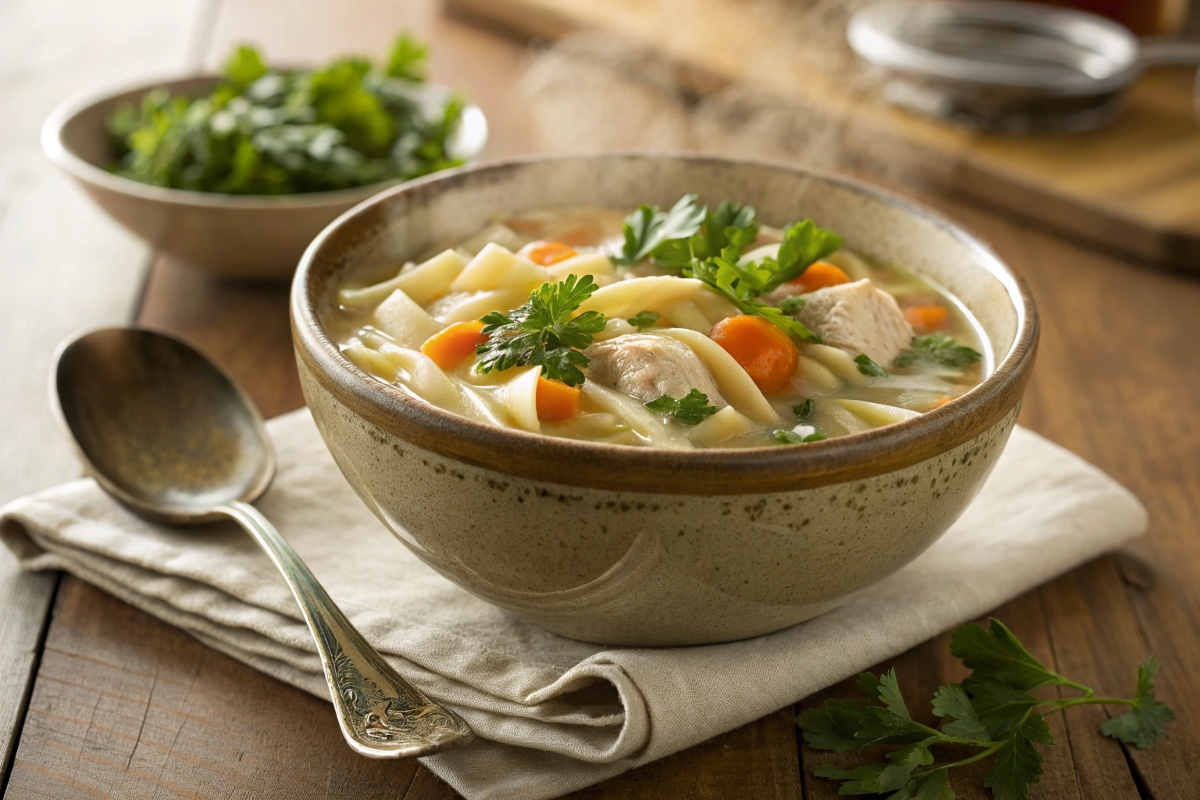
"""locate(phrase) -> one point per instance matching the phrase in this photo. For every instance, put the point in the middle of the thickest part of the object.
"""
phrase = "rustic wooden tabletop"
(102, 700)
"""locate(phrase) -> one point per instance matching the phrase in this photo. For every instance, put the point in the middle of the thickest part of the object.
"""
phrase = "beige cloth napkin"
(554, 715)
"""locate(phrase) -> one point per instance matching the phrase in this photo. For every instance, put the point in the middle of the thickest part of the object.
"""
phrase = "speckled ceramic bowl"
(258, 237)
(638, 546)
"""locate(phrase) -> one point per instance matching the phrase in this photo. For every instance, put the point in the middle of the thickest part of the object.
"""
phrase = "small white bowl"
(236, 236)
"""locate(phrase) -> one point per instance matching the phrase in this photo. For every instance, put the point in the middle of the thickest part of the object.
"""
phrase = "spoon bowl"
(172, 437)
(159, 426)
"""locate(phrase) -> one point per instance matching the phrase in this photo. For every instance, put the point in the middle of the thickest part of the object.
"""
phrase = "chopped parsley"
(868, 367)
(804, 411)
(790, 305)
(648, 228)
(992, 712)
(543, 333)
(938, 348)
(644, 319)
(691, 409)
(784, 436)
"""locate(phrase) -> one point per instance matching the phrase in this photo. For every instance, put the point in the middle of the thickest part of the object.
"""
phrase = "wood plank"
(1142, 202)
(64, 266)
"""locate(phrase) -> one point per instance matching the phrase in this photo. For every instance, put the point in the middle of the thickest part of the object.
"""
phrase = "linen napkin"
(554, 715)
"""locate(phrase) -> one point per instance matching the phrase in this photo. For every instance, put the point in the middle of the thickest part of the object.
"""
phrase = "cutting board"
(1133, 186)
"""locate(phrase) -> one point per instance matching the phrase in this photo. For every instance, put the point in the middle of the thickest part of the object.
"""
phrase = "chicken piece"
(648, 365)
(859, 318)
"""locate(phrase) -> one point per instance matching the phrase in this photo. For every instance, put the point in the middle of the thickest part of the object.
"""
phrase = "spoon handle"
(381, 714)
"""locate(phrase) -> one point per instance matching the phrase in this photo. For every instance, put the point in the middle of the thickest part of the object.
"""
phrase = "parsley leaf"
(1018, 763)
(868, 367)
(790, 305)
(644, 319)
(885, 688)
(833, 725)
(995, 653)
(804, 411)
(244, 66)
(407, 59)
(939, 348)
(952, 703)
(648, 227)
(543, 333)
(691, 409)
(1000, 707)
(740, 284)
(1147, 721)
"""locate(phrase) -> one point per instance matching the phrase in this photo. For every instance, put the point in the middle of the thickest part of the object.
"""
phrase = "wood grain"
(1145, 201)
(63, 265)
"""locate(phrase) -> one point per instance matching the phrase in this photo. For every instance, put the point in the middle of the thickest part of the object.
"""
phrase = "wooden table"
(124, 706)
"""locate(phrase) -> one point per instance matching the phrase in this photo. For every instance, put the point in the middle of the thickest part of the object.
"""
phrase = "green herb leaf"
(543, 333)
(1147, 722)
(790, 305)
(952, 703)
(815, 437)
(784, 436)
(803, 245)
(244, 66)
(868, 367)
(995, 653)
(886, 689)
(407, 58)
(691, 409)
(740, 284)
(929, 785)
(804, 411)
(1001, 708)
(938, 348)
(644, 319)
(833, 725)
(1019, 763)
(864, 779)
(648, 227)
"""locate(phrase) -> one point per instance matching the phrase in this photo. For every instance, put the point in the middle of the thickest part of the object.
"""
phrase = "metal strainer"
(1007, 66)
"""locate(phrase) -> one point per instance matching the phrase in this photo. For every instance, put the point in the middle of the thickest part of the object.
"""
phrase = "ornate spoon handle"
(381, 714)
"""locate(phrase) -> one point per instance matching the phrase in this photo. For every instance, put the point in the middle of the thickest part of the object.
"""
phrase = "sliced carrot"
(766, 353)
(941, 401)
(449, 347)
(557, 402)
(547, 253)
(925, 319)
(820, 276)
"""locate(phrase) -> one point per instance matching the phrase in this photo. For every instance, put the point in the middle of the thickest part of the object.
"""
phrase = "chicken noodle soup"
(687, 327)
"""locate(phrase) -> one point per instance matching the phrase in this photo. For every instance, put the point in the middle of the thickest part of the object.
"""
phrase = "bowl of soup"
(654, 400)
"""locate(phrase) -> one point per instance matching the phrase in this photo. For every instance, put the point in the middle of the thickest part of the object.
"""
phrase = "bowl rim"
(712, 471)
(85, 171)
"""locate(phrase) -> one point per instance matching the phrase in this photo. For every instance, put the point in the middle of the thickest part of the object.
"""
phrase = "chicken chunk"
(647, 366)
(860, 318)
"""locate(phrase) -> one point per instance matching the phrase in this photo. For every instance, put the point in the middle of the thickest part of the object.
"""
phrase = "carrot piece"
(925, 319)
(557, 402)
(449, 347)
(941, 401)
(547, 253)
(766, 353)
(821, 275)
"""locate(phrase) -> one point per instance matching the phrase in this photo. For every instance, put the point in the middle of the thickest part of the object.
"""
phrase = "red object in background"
(1144, 17)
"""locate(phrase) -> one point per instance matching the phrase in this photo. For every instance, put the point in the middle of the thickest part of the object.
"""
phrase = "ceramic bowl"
(238, 236)
(648, 547)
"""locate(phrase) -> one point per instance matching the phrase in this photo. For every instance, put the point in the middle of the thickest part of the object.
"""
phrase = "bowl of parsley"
(234, 174)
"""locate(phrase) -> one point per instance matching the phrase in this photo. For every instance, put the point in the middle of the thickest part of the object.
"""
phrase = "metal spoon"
(173, 438)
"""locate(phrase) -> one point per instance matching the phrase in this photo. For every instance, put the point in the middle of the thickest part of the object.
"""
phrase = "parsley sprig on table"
(939, 348)
(992, 711)
(691, 409)
(543, 333)
(265, 131)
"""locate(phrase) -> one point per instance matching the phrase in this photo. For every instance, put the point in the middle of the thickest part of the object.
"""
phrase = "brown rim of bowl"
(84, 170)
(644, 469)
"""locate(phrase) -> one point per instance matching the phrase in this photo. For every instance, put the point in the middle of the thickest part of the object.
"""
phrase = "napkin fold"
(552, 714)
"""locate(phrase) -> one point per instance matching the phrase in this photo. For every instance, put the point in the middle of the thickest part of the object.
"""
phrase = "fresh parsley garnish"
(648, 227)
(271, 131)
(940, 348)
(991, 711)
(784, 436)
(644, 319)
(543, 333)
(691, 409)
(790, 305)
(730, 226)
(868, 367)
(804, 411)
